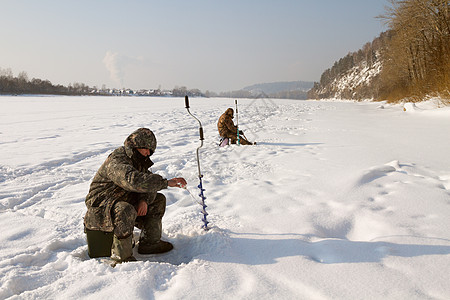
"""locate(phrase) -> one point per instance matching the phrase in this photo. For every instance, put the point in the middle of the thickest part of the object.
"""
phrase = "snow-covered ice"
(338, 200)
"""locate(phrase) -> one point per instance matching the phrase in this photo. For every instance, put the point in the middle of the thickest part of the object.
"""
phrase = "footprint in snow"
(375, 173)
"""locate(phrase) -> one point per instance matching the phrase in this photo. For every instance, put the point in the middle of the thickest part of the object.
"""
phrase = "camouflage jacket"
(225, 125)
(124, 176)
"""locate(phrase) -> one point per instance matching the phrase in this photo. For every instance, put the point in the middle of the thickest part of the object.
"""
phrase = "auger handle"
(201, 133)
(186, 101)
(200, 129)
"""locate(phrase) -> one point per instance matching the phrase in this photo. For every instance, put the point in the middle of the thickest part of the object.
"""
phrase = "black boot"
(150, 239)
(155, 248)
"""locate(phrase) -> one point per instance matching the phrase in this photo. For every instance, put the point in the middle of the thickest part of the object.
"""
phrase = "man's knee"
(124, 216)
(155, 210)
(160, 198)
(157, 207)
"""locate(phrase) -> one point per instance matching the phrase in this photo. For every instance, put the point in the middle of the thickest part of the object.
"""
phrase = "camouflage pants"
(125, 216)
(233, 139)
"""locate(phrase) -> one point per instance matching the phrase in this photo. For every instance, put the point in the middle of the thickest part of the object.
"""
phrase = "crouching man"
(228, 130)
(124, 194)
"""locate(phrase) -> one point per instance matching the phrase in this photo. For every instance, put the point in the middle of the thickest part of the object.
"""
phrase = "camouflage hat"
(141, 138)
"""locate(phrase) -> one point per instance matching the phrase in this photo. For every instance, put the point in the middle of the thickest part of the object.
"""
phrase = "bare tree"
(417, 60)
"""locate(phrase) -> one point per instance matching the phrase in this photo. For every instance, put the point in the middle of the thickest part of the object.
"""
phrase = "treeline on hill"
(22, 85)
(417, 60)
(355, 76)
(10, 85)
(413, 55)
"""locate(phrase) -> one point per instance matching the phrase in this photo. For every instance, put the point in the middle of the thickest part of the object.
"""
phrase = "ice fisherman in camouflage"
(123, 194)
(227, 129)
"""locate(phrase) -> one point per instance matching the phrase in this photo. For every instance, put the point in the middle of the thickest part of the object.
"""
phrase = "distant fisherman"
(123, 194)
(227, 129)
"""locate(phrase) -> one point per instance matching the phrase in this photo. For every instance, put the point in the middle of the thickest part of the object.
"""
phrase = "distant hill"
(276, 87)
(284, 89)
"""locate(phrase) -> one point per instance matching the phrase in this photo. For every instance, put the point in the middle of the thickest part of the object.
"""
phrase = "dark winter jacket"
(225, 125)
(124, 176)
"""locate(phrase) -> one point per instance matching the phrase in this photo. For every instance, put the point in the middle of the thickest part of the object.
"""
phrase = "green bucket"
(99, 243)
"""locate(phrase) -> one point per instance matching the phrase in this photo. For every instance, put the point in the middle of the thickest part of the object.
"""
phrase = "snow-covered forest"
(411, 60)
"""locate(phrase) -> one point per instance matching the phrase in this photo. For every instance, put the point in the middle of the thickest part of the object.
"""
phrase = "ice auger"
(200, 186)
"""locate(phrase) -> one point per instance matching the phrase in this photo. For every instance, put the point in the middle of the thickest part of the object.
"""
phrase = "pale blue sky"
(211, 45)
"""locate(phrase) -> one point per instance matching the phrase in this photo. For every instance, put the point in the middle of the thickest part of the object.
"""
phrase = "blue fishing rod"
(200, 176)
